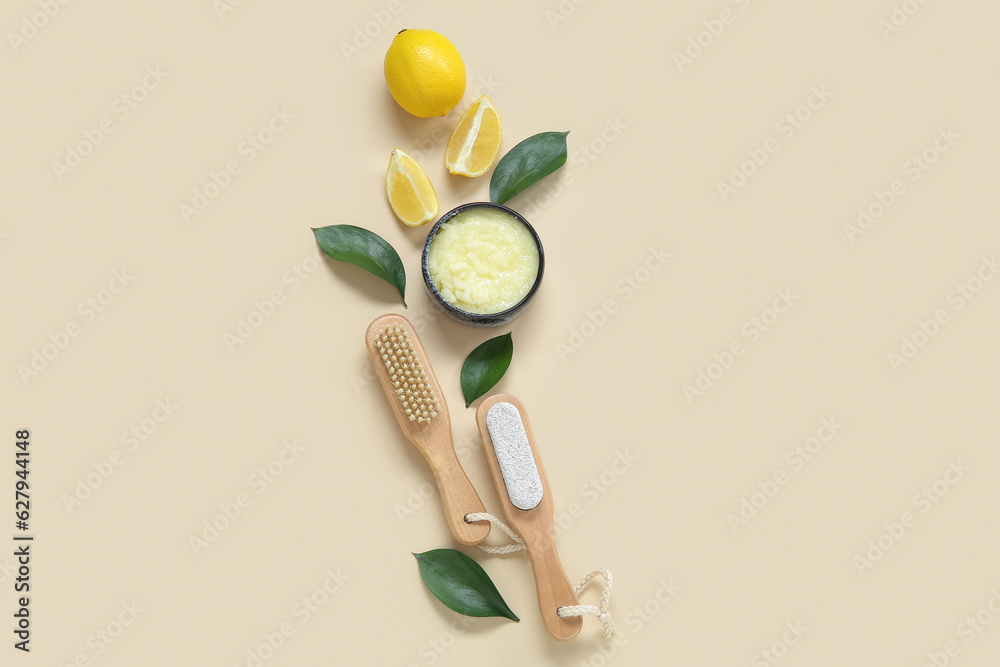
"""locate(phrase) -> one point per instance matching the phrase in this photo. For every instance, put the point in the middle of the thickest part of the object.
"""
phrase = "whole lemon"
(424, 72)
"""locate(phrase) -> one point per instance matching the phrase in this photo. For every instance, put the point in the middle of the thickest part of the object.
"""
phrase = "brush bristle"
(407, 374)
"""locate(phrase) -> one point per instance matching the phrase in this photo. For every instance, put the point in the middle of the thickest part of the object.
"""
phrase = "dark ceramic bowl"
(480, 319)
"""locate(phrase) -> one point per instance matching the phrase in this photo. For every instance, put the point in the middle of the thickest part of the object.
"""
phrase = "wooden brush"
(418, 403)
(524, 492)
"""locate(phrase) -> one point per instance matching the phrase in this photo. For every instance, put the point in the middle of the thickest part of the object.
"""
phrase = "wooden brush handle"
(433, 438)
(458, 497)
(535, 527)
(554, 589)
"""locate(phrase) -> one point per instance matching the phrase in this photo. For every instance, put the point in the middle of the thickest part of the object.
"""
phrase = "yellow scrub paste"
(483, 260)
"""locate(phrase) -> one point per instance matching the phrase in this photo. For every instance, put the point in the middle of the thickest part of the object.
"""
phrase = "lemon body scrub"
(484, 259)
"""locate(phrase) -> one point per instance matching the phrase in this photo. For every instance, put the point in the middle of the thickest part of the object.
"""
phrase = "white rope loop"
(601, 612)
(518, 544)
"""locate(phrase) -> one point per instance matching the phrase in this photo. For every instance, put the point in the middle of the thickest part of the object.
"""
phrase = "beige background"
(670, 134)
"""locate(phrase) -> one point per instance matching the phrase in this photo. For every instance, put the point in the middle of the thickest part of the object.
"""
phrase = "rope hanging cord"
(517, 544)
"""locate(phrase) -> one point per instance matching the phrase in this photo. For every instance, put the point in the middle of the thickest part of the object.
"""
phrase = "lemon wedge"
(410, 192)
(475, 141)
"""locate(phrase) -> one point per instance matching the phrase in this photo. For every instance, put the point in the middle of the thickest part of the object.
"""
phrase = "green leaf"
(366, 249)
(461, 584)
(484, 367)
(525, 164)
